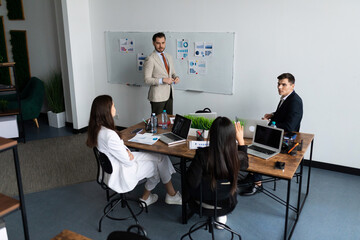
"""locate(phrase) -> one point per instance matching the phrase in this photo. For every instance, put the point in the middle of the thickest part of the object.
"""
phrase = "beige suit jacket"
(154, 69)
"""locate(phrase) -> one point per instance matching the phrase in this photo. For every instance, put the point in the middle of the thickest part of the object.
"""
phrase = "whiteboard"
(122, 66)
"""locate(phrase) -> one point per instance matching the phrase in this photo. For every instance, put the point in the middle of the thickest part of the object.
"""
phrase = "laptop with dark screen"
(179, 132)
(267, 141)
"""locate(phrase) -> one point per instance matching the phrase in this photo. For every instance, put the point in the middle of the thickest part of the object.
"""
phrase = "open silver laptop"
(179, 132)
(267, 142)
(250, 125)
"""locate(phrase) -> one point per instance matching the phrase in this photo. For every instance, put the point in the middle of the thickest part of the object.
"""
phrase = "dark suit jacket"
(289, 115)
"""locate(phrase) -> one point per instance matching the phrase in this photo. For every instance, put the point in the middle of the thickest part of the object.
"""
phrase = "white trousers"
(153, 167)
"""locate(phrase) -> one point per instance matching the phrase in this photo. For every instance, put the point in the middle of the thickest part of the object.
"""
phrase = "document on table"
(146, 138)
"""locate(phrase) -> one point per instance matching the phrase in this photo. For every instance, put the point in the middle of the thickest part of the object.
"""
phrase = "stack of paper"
(146, 138)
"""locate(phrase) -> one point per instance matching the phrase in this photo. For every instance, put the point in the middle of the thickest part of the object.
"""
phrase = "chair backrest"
(140, 234)
(206, 200)
(34, 88)
(104, 166)
(32, 99)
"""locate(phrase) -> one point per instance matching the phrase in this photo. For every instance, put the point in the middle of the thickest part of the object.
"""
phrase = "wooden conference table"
(256, 165)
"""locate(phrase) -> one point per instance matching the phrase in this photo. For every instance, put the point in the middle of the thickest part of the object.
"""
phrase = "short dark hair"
(289, 76)
(158, 35)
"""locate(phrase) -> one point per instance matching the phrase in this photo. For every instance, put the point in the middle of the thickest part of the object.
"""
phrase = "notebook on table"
(267, 142)
(179, 132)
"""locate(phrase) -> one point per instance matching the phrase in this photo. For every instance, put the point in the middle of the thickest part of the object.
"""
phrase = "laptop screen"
(268, 136)
(181, 126)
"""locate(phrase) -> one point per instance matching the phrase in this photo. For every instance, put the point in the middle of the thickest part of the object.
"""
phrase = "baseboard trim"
(333, 167)
(81, 130)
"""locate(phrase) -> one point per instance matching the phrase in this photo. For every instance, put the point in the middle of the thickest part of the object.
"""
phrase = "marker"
(133, 85)
(144, 121)
(293, 148)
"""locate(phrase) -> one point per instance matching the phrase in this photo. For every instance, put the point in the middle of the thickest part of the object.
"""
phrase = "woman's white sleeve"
(117, 149)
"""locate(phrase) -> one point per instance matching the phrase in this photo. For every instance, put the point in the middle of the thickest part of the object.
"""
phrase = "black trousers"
(158, 107)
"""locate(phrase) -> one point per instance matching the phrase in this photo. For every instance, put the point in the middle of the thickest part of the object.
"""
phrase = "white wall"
(317, 41)
(79, 59)
(59, 17)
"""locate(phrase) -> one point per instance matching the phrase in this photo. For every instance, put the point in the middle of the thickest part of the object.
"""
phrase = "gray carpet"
(47, 164)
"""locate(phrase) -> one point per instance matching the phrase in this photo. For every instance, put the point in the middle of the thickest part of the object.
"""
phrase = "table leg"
(21, 193)
(299, 192)
(299, 204)
(310, 161)
(287, 208)
(183, 188)
(22, 132)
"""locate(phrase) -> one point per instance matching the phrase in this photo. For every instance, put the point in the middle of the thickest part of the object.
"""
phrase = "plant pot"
(56, 120)
(193, 131)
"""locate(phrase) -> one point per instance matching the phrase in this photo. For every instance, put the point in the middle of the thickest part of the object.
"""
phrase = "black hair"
(223, 161)
(158, 35)
(289, 76)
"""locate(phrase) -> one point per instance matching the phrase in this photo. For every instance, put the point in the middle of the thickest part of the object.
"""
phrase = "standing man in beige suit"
(160, 74)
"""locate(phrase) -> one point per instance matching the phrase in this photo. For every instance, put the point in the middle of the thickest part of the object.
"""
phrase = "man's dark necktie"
(166, 65)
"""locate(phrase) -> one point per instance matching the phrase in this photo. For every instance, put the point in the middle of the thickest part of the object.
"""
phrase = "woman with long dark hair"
(128, 167)
(222, 160)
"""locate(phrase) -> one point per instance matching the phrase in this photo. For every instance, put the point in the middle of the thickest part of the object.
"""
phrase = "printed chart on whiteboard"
(203, 61)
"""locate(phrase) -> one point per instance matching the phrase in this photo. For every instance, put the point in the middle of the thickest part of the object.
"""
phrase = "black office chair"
(104, 169)
(207, 195)
(140, 234)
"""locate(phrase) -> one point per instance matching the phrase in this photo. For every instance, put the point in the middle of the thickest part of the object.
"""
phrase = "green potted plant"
(55, 97)
(199, 123)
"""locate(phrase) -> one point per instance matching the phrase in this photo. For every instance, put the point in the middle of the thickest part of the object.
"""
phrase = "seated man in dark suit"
(289, 112)
(287, 116)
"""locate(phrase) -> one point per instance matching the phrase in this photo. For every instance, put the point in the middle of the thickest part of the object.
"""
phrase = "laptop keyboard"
(260, 149)
(172, 136)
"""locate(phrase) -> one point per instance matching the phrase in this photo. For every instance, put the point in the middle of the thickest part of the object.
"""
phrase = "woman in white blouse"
(128, 167)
